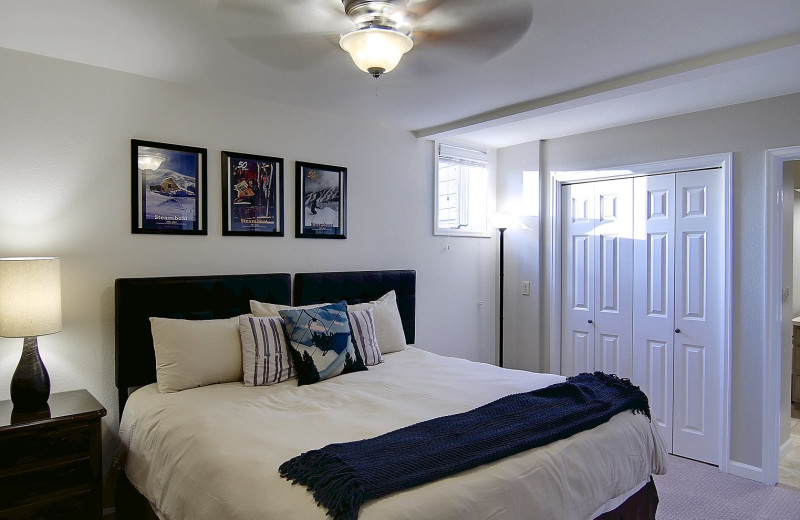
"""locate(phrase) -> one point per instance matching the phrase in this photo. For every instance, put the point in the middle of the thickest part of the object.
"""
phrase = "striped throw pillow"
(265, 353)
(362, 326)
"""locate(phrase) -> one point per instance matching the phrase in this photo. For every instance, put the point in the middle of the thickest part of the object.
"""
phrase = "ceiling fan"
(381, 37)
(381, 32)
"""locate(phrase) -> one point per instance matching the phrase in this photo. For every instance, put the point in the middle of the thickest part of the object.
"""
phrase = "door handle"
(677, 331)
(590, 321)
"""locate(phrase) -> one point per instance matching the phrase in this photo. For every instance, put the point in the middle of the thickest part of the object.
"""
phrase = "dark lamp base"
(30, 385)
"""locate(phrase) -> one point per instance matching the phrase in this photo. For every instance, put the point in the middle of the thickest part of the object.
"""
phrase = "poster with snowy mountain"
(168, 188)
(322, 201)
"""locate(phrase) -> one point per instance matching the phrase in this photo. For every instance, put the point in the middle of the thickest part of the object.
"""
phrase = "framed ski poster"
(252, 195)
(168, 189)
(321, 203)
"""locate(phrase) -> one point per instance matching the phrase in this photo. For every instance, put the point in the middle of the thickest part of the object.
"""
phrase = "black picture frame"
(169, 197)
(252, 195)
(320, 201)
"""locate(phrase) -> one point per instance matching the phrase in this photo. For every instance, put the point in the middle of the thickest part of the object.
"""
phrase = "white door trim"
(773, 264)
(558, 178)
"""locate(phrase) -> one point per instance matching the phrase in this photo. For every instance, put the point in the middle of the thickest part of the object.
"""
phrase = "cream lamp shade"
(376, 50)
(30, 297)
(504, 220)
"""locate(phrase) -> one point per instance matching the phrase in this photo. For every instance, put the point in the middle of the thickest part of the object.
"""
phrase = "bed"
(214, 451)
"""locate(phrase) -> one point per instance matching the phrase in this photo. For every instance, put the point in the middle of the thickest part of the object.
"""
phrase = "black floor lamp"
(502, 264)
(502, 221)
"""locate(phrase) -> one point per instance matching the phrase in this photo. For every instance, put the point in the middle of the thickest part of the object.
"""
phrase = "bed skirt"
(642, 505)
(129, 503)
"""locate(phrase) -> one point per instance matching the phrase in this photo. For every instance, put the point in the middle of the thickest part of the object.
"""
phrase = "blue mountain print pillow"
(320, 343)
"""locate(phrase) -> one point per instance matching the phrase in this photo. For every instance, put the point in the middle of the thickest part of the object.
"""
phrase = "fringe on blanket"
(333, 481)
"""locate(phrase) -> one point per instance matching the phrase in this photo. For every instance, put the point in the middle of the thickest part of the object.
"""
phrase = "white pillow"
(266, 359)
(388, 324)
(267, 310)
(192, 353)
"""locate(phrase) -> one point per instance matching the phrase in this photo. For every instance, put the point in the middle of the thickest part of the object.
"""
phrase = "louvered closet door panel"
(653, 308)
(577, 270)
(699, 314)
(613, 277)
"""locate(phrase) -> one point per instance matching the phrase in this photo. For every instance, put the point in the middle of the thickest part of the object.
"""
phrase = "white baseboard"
(745, 471)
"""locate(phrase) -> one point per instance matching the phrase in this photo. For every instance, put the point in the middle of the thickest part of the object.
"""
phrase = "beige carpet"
(695, 491)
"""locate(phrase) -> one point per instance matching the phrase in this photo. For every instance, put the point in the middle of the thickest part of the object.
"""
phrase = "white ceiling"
(535, 69)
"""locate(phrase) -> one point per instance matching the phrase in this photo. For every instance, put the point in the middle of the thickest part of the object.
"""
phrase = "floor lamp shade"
(30, 306)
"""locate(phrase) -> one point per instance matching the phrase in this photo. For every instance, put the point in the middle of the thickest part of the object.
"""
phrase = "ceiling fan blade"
(289, 52)
(289, 36)
(309, 10)
(251, 7)
(477, 31)
(419, 8)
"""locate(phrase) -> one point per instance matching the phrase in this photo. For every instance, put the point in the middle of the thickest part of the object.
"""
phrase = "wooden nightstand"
(51, 463)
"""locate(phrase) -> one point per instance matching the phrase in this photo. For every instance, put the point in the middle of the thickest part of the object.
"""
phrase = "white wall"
(522, 336)
(747, 130)
(65, 191)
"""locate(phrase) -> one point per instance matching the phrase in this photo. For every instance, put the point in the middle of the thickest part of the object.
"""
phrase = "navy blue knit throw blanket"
(342, 476)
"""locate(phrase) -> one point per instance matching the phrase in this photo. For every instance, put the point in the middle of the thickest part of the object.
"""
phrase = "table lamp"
(30, 306)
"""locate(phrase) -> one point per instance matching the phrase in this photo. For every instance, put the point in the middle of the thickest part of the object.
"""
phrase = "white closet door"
(613, 268)
(653, 300)
(643, 284)
(699, 314)
(577, 331)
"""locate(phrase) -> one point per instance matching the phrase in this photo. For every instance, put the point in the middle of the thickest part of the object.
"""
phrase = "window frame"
(469, 152)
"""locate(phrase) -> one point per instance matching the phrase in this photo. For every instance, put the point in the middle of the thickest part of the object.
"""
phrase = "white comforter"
(213, 452)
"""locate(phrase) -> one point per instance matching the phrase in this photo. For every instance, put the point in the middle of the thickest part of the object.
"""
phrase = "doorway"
(789, 458)
(776, 388)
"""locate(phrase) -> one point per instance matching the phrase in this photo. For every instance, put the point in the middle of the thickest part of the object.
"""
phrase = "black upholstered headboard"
(224, 296)
(358, 287)
(185, 297)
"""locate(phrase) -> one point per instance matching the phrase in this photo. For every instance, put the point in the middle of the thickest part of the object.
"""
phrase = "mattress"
(214, 451)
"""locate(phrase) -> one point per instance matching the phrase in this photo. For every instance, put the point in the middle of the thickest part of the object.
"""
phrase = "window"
(462, 187)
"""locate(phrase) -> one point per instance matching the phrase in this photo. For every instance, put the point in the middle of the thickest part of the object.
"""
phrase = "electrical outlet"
(526, 288)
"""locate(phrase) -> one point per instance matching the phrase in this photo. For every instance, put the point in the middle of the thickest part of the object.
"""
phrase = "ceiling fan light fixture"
(150, 161)
(376, 50)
